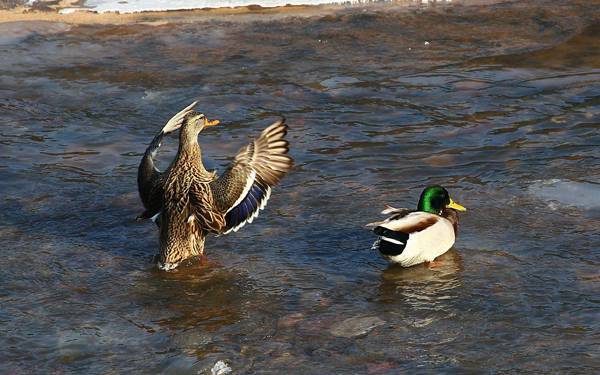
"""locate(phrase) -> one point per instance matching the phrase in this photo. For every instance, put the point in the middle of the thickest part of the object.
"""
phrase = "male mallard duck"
(188, 202)
(410, 237)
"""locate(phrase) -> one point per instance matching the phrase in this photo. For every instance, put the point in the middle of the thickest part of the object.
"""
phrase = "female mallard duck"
(410, 237)
(188, 202)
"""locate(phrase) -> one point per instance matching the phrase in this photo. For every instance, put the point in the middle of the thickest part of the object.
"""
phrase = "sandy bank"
(53, 13)
(90, 17)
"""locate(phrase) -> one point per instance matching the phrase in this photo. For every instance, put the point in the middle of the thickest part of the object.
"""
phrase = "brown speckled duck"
(188, 202)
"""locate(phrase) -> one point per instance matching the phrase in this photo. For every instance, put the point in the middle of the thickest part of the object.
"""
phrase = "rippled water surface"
(501, 106)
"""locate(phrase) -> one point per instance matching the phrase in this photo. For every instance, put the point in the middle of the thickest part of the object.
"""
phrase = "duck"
(409, 237)
(188, 202)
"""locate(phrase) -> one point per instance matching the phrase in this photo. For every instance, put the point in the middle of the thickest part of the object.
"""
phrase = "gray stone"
(356, 326)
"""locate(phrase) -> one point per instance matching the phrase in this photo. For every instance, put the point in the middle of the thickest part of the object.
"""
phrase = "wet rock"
(220, 368)
(357, 326)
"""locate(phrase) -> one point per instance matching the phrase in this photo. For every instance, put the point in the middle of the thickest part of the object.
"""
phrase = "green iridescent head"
(435, 198)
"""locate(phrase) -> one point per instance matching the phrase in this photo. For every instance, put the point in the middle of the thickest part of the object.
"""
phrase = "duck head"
(193, 124)
(435, 198)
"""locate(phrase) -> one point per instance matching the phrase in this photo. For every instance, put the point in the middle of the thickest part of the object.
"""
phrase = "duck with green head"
(411, 237)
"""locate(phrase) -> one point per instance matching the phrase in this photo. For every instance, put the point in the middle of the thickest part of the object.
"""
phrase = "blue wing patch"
(248, 208)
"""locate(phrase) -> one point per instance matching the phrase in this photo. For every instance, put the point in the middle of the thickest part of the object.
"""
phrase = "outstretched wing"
(150, 178)
(245, 187)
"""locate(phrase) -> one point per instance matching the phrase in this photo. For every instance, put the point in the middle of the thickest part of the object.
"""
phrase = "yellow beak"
(208, 123)
(455, 206)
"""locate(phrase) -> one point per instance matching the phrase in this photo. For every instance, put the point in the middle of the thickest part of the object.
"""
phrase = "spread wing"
(150, 178)
(245, 187)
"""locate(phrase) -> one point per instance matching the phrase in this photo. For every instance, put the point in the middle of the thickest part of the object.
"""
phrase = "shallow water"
(505, 114)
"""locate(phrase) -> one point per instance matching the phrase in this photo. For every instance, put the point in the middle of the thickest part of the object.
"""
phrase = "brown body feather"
(187, 212)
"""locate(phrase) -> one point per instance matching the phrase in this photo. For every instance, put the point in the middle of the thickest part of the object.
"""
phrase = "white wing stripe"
(266, 198)
(393, 241)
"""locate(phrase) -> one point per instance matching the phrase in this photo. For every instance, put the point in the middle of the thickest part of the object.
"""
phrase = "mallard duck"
(409, 237)
(188, 202)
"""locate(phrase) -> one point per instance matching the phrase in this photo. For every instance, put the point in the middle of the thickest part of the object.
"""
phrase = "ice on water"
(568, 193)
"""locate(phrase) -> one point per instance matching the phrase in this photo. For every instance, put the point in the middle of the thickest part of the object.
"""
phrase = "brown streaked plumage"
(191, 202)
(150, 180)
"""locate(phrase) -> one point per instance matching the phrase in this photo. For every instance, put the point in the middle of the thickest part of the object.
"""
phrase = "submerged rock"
(356, 326)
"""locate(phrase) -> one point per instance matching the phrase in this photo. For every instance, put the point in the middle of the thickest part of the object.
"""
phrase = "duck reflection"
(422, 284)
(195, 296)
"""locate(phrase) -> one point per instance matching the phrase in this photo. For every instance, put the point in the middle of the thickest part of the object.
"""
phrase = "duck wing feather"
(245, 187)
(150, 179)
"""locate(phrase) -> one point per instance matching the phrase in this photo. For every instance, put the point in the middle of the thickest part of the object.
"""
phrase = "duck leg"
(199, 249)
(198, 241)
(203, 260)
